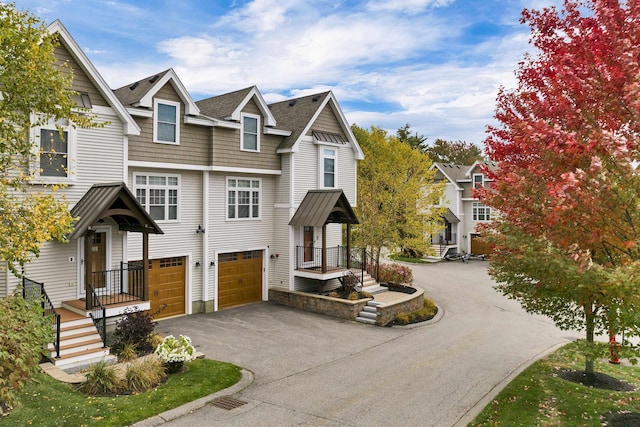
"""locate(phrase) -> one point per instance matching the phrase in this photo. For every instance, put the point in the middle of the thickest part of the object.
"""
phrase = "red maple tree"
(567, 186)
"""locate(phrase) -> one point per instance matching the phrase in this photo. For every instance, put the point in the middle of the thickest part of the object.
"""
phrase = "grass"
(47, 402)
(538, 397)
(397, 257)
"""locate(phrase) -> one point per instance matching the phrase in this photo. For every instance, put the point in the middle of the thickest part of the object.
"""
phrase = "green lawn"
(397, 257)
(47, 402)
(538, 397)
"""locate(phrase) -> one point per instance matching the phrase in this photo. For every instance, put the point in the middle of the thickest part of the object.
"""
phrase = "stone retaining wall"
(342, 308)
(387, 312)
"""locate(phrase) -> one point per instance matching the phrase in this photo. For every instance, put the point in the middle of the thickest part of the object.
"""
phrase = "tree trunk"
(590, 326)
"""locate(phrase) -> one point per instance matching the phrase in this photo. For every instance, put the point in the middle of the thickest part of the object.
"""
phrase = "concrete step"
(375, 289)
(365, 320)
(368, 315)
(373, 303)
(81, 360)
(370, 309)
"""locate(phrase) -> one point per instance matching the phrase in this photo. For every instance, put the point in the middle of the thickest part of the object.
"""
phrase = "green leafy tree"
(567, 242)
(455, 152)
(34, 90)
(415, 141)
(23, 336)
(396, 194)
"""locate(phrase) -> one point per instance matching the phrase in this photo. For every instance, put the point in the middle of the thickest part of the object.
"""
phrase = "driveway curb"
(172, 414)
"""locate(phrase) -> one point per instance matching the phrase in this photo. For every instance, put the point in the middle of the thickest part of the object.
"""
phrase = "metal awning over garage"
(320, 207)
(451, 217)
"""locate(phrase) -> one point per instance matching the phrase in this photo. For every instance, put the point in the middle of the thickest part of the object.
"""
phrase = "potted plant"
(174, 352)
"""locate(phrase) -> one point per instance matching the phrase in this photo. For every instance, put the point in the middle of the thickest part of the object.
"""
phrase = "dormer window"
(478, 180)
(166, 129)
(250, 139)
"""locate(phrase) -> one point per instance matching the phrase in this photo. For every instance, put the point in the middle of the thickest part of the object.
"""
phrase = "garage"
(167, 284)
(239, 278)
(479, 247)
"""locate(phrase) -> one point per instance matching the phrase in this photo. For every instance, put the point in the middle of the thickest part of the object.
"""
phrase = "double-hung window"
(328, 165)
(159, 195)
(481, 212)
(243, 198)
(250, 133)
(55, 145)
(166, 125)
(478, 180)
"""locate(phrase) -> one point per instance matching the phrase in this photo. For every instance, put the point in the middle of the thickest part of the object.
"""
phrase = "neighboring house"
(464, 211)
(190, 207)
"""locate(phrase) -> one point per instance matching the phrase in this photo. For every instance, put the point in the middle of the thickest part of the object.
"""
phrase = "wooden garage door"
(167, 286)
(479, 247)
(239, 278)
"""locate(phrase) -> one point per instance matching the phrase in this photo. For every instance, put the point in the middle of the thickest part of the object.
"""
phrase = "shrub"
(143, 375)
(134, 328)
(24, 332)
(101, 379)
(155, 340)
(127, 353)
(426, 312)
(353, 296)
(334, 294)
(395, 273)
(176, 350)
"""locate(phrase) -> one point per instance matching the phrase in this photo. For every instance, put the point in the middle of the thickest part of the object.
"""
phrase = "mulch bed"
(621, 419)
(597, 380)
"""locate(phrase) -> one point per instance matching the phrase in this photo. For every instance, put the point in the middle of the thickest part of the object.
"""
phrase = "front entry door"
(308, 243)
(99, 259)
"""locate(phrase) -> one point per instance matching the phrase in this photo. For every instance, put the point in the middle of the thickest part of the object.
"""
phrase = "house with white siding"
(463, 210)
(187, 207)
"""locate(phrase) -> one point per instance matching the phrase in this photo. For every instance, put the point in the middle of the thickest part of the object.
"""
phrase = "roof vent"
(315, 98)
(154, 79)
(133, 86)
(292, 103)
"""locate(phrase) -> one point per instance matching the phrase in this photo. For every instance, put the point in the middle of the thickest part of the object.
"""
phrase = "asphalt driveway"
(320, 371)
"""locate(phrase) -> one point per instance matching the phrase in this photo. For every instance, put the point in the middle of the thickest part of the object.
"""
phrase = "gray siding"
(327, 122)
(81, 82)
(194, 140)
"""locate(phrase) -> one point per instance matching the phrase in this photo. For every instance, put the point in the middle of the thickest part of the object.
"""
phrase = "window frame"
(147, 187)
(71, 141)
(236, 199)
(156, 103)
(480, 210)
(478, 184)
(243, 132)
(321, 167)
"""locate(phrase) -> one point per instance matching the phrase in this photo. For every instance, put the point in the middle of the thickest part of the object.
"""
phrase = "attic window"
(166, 129)
(82, 100)
(333, 138)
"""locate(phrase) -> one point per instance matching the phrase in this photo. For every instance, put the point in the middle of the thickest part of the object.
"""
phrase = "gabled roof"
(320, 207)
(491, 165)
(111, 200)
(299, 114)
(131, 127)
(453, 173)
(229, 106)
(141, 93)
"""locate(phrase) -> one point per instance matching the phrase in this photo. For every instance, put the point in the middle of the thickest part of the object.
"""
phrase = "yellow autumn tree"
(396, 194)
(34, 90)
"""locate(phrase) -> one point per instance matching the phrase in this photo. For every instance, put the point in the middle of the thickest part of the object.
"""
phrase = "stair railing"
(98, 313)
(35, 290)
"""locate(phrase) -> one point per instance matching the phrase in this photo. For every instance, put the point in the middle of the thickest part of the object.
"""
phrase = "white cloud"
(406, 6)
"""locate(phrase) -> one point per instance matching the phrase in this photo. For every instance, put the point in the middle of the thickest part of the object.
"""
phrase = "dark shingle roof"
(295, 114)
(221, 106)
(132, 93)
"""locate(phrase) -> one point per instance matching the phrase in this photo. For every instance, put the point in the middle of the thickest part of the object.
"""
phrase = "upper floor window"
(328, 165)
(55, 145)
(243, 198)
(166, 124)
(250, 135)
(159, 195)
(481, 212)
(478, 180)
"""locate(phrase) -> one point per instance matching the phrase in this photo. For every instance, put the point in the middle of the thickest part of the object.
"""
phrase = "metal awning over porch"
(320, 207)
(450, 217)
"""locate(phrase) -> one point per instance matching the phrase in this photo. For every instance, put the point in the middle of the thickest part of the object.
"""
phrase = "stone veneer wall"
(344, 309)
(387, 312)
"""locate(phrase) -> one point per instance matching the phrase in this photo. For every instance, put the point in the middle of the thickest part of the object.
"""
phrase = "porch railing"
(310, 258)
(118, 285)
(98, 313)
(364, 260)
(35, 290)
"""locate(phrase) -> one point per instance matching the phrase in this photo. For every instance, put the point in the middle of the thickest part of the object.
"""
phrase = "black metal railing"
(363, 260)
(122, 285)
(35, 290)
(98, 313)
(311, 258)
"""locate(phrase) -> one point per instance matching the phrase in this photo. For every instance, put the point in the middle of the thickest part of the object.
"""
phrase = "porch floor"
(111, 301)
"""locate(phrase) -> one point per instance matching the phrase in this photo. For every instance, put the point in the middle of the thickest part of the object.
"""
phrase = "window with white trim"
(481, 212)
(243, 198)
(166, 124)
(250, 138)
(159, 194)
(478, 180)
(328, 161)
(55, 145)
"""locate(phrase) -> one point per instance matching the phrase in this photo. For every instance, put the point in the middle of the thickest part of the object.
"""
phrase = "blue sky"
(436, 64)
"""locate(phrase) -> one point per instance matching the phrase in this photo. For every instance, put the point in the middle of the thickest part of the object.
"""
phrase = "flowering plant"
(174, 350)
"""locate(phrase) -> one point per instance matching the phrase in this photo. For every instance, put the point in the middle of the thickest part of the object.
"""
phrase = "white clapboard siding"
(179, 238)
(306, 170)
(280, 266)
(346, 179)
(283, 182)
